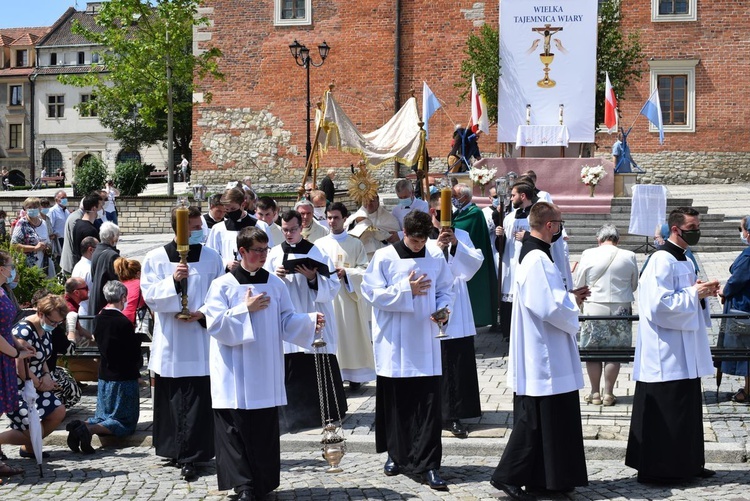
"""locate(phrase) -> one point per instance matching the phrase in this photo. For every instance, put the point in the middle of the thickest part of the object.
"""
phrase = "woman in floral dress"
(10, 350)
(35, 330)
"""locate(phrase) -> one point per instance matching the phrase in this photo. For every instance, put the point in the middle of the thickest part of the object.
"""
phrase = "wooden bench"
(157, 175)
(58, 180)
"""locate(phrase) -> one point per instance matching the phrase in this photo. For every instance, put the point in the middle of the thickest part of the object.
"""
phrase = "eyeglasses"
(561, 221)
(52, 322)
(290, 230)
(262, 251)
(84, 288)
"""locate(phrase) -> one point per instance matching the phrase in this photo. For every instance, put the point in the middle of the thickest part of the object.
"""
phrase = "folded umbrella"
(35, 422)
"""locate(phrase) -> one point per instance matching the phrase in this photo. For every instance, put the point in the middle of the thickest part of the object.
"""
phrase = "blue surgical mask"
(456, 203)
(45, 211)
(47, 328)
(13, 285)
(744, 240)
(12, 276)
(64, 202)
(404, 202)
(196, 237)
(32, 212)
(496, 202)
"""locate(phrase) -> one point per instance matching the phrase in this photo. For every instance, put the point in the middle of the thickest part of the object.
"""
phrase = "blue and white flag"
(430, 105)
(652, 111)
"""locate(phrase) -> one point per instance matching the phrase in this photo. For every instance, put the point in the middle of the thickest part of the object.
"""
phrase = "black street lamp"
(302, 58)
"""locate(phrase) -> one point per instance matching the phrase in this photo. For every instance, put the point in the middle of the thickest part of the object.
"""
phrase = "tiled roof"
(16, 72)
(67, 70)
(62, 34)
(21, 36)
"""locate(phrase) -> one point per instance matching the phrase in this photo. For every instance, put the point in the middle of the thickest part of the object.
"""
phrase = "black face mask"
(690, 237)
(556, 236)
(235, 215)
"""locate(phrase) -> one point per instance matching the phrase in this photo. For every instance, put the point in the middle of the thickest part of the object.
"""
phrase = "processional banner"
(547, 61)
(399, 139)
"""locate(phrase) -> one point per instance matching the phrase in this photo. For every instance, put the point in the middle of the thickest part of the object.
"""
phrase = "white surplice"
(246, 351)
(178, 348)
(224, 241)
(309, 300)
(672, 342)
(354, 354)
(543, 358)
(463, 265)
(511, 250)
(402, 332)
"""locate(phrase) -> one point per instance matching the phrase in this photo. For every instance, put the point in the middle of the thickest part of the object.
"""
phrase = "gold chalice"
(546, 82)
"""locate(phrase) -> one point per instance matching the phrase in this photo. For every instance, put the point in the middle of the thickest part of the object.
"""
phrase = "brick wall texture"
(255, 123)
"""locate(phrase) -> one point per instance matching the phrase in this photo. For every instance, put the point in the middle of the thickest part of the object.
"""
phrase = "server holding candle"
(176, 274)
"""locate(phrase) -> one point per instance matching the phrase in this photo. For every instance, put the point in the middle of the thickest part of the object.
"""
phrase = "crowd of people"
(271, 295)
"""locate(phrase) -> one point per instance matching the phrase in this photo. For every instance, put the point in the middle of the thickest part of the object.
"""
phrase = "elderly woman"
(736, 299)
(31, 236)
(117, 404)
(36, 331)
(612, 276)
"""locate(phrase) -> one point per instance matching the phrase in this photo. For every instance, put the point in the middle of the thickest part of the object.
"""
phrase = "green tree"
(483, 61)
(90, 176)
(620, 55)
(147, 51)
(131, 178)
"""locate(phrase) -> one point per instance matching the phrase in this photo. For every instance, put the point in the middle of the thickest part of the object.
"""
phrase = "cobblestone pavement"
(135, 473)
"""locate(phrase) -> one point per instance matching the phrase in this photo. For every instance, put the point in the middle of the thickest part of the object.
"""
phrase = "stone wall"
(682, 167)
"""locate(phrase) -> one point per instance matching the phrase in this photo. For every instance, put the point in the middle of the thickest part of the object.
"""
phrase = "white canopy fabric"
(399, 139)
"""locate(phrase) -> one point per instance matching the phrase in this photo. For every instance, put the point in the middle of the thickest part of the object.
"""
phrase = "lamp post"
(302, 58)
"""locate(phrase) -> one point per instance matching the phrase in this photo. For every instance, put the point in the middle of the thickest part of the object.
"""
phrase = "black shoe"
(706, 473)
(245, 496)
(171, 462)
(354, 386)
(391, 468)
(188, 472)
(85, 436)
(30, 455)
(514, 491)
(74, 441)
(458, 429)
(433, 479)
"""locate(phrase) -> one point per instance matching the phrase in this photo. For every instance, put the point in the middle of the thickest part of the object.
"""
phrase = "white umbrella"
(35, 422)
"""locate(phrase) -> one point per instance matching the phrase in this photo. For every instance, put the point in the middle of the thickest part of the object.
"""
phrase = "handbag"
(68, 390)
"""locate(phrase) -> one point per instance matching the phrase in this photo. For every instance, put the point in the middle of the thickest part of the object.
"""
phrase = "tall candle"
(182, 233)
(528, 114)
(561, 114)
(445, 207)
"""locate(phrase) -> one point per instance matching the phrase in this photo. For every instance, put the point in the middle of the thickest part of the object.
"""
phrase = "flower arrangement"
(481, 176)
(592, 174)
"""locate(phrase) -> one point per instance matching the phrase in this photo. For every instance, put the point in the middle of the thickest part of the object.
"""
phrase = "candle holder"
(183, 247)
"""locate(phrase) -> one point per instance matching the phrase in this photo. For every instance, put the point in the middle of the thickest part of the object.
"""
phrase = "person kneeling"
(117, 399)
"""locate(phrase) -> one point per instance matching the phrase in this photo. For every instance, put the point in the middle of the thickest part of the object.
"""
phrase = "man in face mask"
(546, 408)
(318, 199)
(671, 354)
(406, 202)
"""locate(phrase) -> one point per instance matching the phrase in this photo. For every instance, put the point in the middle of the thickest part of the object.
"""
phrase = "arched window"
(128, 155)
(52, 161)
(84, 158)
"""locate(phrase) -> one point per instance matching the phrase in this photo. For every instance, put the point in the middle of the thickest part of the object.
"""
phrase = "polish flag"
(478, 109)
(610, 106)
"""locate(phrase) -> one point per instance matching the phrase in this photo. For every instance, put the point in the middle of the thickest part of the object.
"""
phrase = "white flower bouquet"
(481, 176)
(592, 174)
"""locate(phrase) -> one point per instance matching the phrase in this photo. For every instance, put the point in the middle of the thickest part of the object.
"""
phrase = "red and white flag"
(478, 109)
(610, 106)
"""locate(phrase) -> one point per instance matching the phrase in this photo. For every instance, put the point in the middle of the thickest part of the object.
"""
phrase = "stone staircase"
(717, 233)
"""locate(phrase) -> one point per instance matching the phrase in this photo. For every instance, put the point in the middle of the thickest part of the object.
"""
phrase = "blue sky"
(15, 14)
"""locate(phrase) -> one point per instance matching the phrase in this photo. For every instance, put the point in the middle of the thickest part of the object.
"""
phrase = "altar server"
(348, 254)
(406, 283)
(183, 426)
(312, 285)
(460, 385)
(249, 313)
(223, 235)
(671, 354)
(514, 226)
(545, 448)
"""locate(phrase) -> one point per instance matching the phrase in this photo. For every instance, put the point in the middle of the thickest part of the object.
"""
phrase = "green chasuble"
(483, 286)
